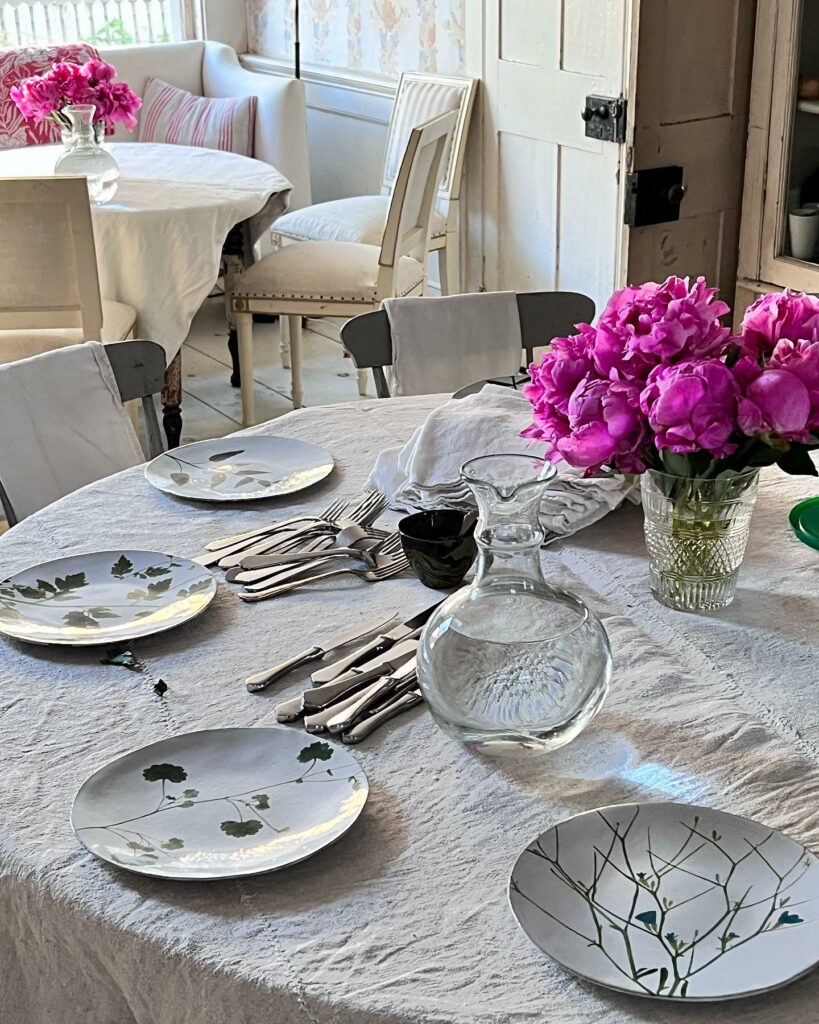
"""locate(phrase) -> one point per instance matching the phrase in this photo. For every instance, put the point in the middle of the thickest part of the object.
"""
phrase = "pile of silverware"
(291, 553)
(356, 694)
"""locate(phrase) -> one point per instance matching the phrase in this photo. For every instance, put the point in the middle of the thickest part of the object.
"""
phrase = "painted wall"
(383, 37)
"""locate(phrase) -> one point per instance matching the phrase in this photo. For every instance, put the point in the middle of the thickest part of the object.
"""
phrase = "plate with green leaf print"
(671, 901)
(220, 803)
(103, 596)
(239, 468)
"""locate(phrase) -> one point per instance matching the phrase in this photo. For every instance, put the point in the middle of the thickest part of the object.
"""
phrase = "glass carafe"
(511, 663)
(83, 155)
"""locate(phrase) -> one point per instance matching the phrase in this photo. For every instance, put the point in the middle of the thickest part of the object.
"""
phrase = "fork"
(316, 559)
(280, 524)
(212, 557)
(395, 566)
(365, 512)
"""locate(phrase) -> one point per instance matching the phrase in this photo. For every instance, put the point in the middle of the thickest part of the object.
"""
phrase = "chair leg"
(450, 259)
(362, 383)
(295, 361)
(284, 341)
(172, 401)
(244, 329)
(442, 271)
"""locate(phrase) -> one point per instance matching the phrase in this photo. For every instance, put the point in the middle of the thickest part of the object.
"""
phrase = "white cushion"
(180, 118)
(324, 271)
(357, 219)
(118, 321)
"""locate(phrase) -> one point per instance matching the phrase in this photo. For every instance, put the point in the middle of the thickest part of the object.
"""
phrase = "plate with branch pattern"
(239, 468)
(103, 596)
(220, 803)
(671, 901)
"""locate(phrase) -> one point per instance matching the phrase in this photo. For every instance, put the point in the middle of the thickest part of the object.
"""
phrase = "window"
(101, 22)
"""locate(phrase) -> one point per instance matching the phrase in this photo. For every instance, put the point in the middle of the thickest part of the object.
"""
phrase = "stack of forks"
(291, 553)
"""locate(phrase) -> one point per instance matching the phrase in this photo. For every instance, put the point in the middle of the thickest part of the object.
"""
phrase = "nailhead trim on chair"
(239, 303)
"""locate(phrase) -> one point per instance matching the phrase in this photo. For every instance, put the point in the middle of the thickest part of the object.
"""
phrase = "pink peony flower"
(692, 406)
(606, 426)
(801, 358)
(772, 402)
(659, 323)
(98, 71)
(790, 316)
(560, 371)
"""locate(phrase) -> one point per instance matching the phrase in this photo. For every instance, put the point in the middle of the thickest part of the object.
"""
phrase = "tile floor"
(212, 408)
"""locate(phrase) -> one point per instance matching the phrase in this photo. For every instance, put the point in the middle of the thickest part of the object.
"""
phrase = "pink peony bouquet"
(660, 383)
(67, 84)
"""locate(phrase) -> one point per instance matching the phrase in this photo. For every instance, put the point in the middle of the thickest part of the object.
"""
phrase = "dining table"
(405, 920)
(160, 240)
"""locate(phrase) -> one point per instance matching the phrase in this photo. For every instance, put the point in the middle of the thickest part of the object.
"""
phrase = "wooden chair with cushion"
(543, 316)
(317, 279)
(49, 286)
(139, 370)
(363, 218)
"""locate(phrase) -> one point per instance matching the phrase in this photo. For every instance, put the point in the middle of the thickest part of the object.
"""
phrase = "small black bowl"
(438, 555)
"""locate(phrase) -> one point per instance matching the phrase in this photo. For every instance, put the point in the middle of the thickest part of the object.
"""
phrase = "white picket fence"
(104, 22)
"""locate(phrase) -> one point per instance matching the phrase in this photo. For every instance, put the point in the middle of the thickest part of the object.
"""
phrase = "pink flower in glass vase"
(644, 326)
(790, 316)
(559, 372)
(692, 406)
(773, 401)
(72, 85)
(801, 358)
(125, 104)
(605, 426)
(96, 72)
(37, 97)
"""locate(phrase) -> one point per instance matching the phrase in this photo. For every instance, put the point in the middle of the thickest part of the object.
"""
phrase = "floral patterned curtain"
(381, 36)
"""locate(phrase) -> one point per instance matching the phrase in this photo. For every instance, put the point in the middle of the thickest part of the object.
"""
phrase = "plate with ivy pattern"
(239, 468)
(220, 803)
(103, 596)
(671, 901)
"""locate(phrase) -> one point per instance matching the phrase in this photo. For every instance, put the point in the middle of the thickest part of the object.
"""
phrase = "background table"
(160, 239)
(406, 918)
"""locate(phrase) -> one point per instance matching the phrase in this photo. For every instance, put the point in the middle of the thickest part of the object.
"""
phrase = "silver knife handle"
(261, 680)
(290, 710)
(322, 696)
(369, 725)
(337, 668)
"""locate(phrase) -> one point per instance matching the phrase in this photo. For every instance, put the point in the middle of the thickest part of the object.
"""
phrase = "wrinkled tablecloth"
(406, 918)
(159, 241)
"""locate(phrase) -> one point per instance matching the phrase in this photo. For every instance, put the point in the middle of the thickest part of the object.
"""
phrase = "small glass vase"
(84, 155)
(510, 663)
(696, 532)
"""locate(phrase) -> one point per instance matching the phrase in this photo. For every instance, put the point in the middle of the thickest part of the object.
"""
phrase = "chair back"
(96, 440)
(48, 261)
(409, 218)
(542, 315)
(420, 98)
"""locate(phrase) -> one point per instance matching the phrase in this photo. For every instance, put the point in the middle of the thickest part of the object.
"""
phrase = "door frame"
(776, 64)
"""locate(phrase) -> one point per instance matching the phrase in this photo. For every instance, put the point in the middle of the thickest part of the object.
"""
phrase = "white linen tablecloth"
(406, 918)
(159, 241)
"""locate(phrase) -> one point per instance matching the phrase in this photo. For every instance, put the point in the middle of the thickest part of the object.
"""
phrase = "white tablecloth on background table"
(406, 918)
(159, 240)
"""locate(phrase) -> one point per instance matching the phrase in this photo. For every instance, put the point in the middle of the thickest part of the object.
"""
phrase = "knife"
(317, 722)
(376, 720)
(350, 712)
(260, 680)
(322, 696)
(383, 642)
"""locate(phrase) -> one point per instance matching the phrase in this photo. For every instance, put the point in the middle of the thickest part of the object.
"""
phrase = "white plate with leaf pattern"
(103, 597)
(671, 901)
(239, 468)
(221, 803)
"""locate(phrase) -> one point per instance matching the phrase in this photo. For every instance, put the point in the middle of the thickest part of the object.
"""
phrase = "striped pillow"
(173, 115)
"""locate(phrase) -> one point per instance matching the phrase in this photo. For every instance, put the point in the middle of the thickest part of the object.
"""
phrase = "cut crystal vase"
(511, 663)
(696, 532)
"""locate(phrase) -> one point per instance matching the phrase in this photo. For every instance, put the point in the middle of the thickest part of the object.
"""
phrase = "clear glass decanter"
(509, 662)
(84, 155)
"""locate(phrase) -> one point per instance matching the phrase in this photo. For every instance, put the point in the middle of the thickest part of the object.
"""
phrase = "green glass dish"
(804, 520)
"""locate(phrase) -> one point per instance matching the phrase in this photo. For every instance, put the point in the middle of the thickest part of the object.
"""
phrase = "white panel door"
(552, 198)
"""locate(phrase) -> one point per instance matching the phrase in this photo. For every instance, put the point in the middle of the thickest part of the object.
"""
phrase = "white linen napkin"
(425, 473)
(443, 344)
(63, 425)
